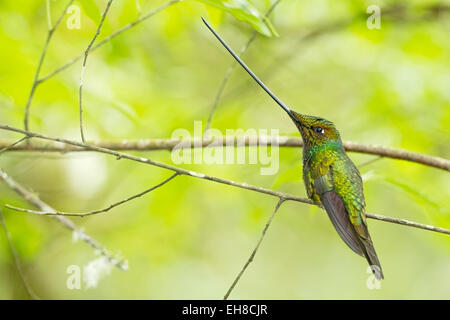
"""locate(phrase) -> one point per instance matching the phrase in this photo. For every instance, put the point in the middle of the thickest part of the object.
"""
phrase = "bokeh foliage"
(189, 239)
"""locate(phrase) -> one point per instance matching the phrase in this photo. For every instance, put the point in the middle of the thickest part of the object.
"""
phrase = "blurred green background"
(189, 239)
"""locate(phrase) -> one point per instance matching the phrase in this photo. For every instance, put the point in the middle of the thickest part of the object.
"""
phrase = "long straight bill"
(250, 72)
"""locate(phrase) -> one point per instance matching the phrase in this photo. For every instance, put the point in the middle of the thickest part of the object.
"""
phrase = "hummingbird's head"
(315, 131)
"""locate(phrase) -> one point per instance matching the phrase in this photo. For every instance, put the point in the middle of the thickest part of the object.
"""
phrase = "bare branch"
(16, 257)
(408, 223)
(369, 215)
(49, 16)
(191, 173)
(83, 67)
(400, 154)
(35, 201)
(110, 37)
(247, 141)
(195, 174)
(370, 161)
(83, 214)
(252, 255)
(36, 80)
(231, 68)
(13, 144)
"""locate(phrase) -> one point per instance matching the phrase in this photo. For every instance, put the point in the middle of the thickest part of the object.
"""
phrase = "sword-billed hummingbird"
(331, 179)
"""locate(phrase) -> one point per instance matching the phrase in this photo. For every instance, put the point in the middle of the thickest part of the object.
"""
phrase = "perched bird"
(331, 179)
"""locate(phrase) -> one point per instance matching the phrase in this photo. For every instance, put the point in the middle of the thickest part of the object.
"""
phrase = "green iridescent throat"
(335, 145)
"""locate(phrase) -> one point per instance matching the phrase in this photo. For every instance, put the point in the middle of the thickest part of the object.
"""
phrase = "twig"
(400, 154)
(35, 201)
(49, 16)
(83, 67)
(247, 141)
(83, 214)
(36, 80)
(408, 223)
(16, 257)
(252, 255)
(369, 215)
(190, 173)
(13, 144)
(110, 37)
(231, 68)
(370, 161)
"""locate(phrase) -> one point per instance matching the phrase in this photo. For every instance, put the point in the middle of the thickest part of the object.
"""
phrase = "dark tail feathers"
(372, 259)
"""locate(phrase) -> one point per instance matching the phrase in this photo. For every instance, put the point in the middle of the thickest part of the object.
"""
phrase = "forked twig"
(12, 145)
(36, 80)
(110, 37)
(83, 67)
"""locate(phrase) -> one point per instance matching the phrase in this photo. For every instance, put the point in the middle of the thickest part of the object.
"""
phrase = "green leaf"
(243, 10)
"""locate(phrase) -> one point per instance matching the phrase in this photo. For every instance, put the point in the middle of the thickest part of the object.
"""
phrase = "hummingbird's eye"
(318, 130)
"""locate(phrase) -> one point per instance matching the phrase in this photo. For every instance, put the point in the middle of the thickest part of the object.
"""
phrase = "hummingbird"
(331, 178)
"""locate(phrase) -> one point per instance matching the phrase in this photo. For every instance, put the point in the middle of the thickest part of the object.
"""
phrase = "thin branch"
(369, 215)
(370, 161)
(83, 214)
(110, 37)
(35, 201)
(252, 255)
(408, 223)
(13, 144)
(281, 195)
(238, 141)
(16, 257)
(400, 154)
(49, 16)
(36, 80)
(83, 67)
(191, 173)
(231, 68)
